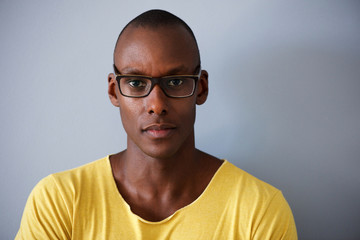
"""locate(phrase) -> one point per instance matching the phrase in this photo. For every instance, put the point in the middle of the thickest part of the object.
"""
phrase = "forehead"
(155, 50)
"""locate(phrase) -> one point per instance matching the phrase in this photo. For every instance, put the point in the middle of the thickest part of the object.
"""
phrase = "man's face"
(157, 125)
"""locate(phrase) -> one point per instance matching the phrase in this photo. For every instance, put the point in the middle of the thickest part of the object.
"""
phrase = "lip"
(157, 131)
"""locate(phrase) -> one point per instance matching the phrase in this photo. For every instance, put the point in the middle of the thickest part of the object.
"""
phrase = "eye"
(175, 82)
(136, 83)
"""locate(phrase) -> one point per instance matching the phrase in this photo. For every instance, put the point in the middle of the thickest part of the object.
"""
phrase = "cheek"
(129, 113)
(187, 113)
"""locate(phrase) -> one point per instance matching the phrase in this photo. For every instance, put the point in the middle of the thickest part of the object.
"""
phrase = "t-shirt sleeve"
(277, 221)
(46, 214)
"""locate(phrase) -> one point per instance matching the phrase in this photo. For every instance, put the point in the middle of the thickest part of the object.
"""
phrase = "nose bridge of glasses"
(157, 81)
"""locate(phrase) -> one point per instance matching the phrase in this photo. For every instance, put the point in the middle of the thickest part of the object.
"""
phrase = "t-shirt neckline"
(200, 198)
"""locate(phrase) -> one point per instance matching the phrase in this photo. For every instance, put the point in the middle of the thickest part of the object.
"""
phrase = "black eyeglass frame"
(157, 80)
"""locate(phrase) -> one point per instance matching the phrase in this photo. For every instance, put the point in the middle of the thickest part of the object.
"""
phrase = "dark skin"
(161, 171)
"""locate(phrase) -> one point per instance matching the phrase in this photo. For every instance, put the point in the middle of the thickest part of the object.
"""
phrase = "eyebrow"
(135, 71)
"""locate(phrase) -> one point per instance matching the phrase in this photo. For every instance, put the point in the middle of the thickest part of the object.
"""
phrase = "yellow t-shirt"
(84, 203)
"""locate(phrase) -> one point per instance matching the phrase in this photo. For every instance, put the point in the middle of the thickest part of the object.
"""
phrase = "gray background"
(283, 105)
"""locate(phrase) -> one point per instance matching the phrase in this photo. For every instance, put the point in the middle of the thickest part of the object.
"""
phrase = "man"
(161, 186)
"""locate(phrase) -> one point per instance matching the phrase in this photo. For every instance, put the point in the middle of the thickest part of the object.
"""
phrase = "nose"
(156, 101)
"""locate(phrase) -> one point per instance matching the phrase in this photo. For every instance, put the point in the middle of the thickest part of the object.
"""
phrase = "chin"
(158, 153)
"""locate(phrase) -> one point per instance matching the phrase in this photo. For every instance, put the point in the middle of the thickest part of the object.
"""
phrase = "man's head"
(158, 125)
(154, 19)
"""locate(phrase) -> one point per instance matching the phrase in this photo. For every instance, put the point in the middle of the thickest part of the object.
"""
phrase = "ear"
(202, 88)
(112, 89)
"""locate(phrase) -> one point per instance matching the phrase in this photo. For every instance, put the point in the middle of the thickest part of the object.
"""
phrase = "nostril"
(163, 112)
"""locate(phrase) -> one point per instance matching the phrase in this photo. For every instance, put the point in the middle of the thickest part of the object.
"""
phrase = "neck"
(155, 187)
(158, 174)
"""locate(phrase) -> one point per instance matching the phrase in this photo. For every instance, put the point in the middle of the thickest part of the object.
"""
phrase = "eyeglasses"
(177, 86)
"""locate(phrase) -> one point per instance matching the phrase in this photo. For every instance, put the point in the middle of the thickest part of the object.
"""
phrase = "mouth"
(158, 131)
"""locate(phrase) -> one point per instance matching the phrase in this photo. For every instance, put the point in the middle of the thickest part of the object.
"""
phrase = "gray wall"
(283, 105)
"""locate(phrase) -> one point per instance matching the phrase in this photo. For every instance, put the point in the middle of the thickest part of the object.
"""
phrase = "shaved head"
(157, 19)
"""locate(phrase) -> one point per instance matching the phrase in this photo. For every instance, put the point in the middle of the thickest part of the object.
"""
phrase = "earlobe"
(202, 88)
(112, 85)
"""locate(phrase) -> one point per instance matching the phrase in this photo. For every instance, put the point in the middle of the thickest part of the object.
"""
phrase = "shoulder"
(67, 182)
(56, 182)
(97, 166)
(49, 210)
(249, 188)
(244, 181)
(260, 202)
